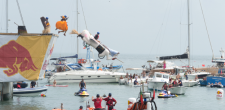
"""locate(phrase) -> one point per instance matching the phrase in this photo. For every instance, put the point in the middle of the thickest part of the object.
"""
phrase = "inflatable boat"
(163, 94)
(29, 91)
(215, 86)
(81, 92)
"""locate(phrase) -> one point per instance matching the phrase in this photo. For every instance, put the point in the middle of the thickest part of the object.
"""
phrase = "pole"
(6, 16)
(188, 34)
(77, 37)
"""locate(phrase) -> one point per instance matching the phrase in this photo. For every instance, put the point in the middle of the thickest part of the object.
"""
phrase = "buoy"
(131, 101)
(43, 95)
(219, 93)
(149, 106)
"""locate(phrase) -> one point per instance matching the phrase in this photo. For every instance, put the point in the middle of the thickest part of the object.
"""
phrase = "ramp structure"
(23, 57)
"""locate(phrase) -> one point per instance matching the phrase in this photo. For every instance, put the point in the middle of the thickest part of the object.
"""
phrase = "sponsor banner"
(47, 57)
(22, 57)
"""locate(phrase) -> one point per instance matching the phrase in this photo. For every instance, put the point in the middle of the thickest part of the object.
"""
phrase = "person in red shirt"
(175, 83)
(97, 102)
(109, 101)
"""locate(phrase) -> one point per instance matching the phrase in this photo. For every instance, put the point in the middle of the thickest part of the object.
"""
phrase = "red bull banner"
(22, 57)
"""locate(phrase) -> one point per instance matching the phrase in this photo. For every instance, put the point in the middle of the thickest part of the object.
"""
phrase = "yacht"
(73, 74)
(158, 81)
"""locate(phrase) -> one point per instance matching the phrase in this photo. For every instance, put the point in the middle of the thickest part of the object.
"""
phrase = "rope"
(20, 12)
(206, 28)
(160, 30)
(83, 14)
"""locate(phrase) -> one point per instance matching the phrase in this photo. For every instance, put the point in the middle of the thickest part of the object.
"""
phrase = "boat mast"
(6, 16)
(77, 37)
(188, 34)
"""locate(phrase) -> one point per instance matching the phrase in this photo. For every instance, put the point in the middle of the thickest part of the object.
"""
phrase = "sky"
(154, 27)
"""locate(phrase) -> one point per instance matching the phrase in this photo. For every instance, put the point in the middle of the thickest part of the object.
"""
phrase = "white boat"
(29, 91)
(94, 76)
(158, 81)
(131, 83)
(189, 83)
(126, 81)
(179, 90)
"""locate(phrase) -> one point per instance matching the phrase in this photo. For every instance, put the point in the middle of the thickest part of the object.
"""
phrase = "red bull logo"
(16, 58)
(50, 53)
(218, 92)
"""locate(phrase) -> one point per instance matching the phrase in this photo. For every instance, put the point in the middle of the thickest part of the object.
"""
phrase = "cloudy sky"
(154, 27)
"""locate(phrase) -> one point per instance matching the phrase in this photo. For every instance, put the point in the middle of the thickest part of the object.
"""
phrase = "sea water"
(196, 98)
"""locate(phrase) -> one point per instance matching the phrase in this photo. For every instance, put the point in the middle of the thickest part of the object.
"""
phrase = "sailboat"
(177, 69)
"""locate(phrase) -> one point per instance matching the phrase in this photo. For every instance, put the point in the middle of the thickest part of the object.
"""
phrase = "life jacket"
(96, 36)
(110, 101)
(82, 84)
(47, 23)
(165, 87)
(174, 82)
(18, 86)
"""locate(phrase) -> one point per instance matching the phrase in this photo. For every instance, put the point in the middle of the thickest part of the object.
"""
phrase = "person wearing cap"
(109, 101)
(97, 102)
(64, 18)
(47, 29)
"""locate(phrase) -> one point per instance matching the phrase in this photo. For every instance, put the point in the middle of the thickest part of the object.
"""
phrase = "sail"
(174, 57)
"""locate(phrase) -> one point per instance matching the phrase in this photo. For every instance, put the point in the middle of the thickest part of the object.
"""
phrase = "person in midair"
(62, 25)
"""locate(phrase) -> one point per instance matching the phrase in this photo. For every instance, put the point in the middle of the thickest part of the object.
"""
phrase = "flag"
(154, 94)
(141, 97)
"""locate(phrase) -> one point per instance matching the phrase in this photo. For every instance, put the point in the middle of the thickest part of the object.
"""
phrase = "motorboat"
(158, 80)
(82, 92)
(189, 83)
(29, 91)
(179, 90)
(131, 82)
(140, 79)
(74, 75)
(164, 94)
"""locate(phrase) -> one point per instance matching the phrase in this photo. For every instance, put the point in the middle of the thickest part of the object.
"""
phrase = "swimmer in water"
(54, 83)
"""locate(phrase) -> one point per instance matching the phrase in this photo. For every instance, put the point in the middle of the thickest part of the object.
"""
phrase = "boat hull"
(180, 90)
(88, 76)
(187, 83)
(156, 85)
(203, 82)
(24, 92)
(215, 79)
